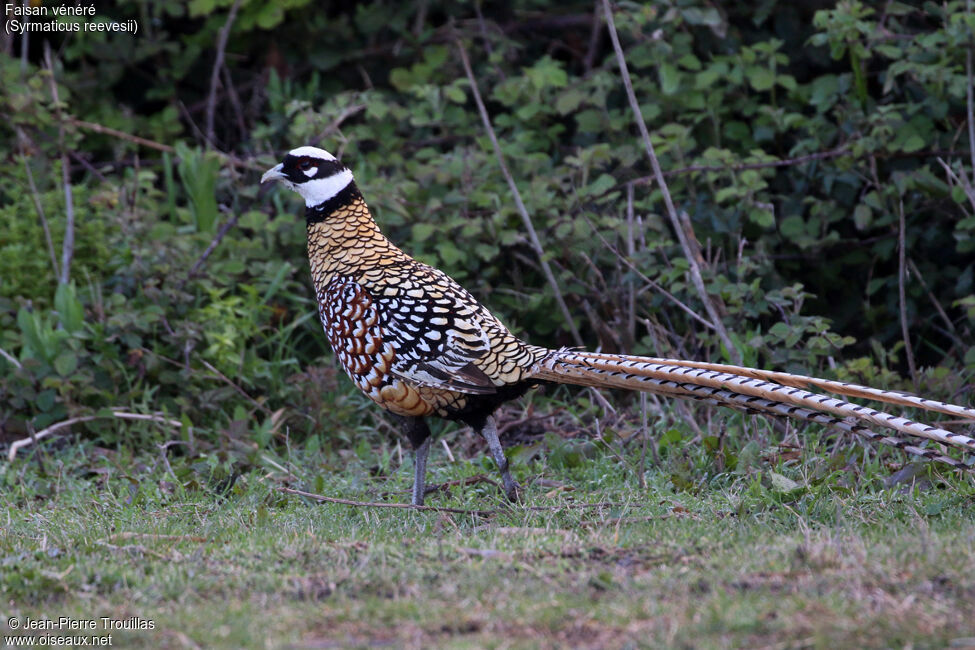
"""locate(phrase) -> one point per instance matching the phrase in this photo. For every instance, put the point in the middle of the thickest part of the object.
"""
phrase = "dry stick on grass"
(902, 295)
(692, 257)
(516, 195)
(67, 245)
(122, 415)
(217, 65)
(458, 511)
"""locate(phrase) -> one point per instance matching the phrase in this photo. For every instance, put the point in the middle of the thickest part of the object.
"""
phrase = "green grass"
(736, 561)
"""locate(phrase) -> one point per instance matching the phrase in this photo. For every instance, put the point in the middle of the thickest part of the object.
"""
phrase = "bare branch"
(961, 179)
(516, 195)
(158, 146)
(224, 229)
(692, 257)
(656, 286)
(969, 99)
(951, 329)
(237, 388)
(36, 196)
(122, 415)
(67, 244)
(902, 295)
(217, 65)
(12, 359)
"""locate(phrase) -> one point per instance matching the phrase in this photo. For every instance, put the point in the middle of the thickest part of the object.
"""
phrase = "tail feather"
(751, 404)
(653, 375)
(830, 385)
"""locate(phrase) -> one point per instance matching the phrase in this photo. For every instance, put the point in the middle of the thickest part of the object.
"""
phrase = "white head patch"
(318, 190)
(313, 152)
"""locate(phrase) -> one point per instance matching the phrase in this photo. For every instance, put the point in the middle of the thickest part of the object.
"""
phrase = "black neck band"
(322, 211)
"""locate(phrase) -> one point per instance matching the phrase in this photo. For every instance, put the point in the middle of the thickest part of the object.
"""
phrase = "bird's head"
(313, 173)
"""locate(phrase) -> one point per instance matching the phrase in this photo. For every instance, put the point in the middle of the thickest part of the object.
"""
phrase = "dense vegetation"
(157, 300)
(795, 138)
(801, 141)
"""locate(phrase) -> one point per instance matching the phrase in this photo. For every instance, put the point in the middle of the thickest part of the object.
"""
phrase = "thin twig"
(476, 513)
(158, 146)
(122, 415)
(37, 448)
(644, 433)
(516, 195)
(902, 294)
(656, 286)
(237, 388)
(370, 504)
(937, 305)
(40, 215)
(446, 448)
(67, 244)
(121, 135)
(217, 65)
(228, 81)
(695, 271)
(969, 99)
(737, 167)
(961, 179)
(12, 359)
(630, 252)
(594, 39)
(221, 233)
(334, 125)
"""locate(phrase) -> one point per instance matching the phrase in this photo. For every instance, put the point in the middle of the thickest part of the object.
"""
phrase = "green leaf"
(780, 330)
(70, 312)
(862, 216)
(761, 79)
(914, 142)
(66, 363)
(669, 79)
(455, 94)
(784, 484)
(422, 231)
(569, 101)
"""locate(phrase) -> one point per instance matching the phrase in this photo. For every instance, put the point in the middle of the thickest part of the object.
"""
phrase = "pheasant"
(420, 345)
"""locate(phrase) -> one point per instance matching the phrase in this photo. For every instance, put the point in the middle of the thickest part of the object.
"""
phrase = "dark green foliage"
(855, 103)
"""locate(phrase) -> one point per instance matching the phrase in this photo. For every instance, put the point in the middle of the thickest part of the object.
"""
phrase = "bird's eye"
(304, 164)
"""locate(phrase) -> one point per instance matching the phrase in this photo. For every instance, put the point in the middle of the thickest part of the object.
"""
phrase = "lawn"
(778, 553)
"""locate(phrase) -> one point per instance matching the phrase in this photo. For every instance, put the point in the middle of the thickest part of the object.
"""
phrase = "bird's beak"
(273, 174)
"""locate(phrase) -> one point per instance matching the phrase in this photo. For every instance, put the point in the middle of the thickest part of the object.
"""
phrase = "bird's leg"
(490, 432)
(419, 470)
(418, 432)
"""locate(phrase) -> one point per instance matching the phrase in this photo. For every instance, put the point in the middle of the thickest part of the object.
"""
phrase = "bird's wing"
(437, 330)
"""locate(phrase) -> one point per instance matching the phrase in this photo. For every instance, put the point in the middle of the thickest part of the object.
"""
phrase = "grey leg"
(420, 470)
(490, 433)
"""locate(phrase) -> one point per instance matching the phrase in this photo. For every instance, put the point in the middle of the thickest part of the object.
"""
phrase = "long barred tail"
(829, 385)
(752, 389)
